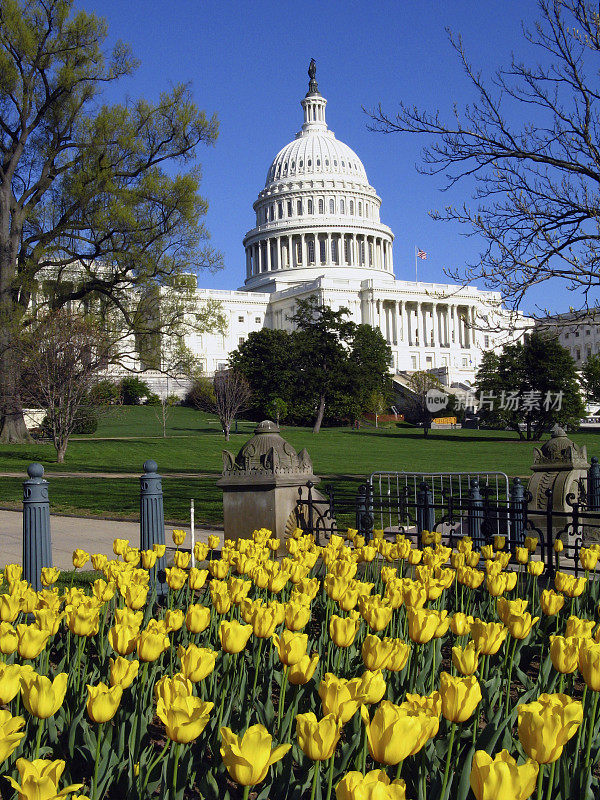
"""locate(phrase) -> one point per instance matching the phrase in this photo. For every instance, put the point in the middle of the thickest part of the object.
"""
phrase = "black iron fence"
(481, 513)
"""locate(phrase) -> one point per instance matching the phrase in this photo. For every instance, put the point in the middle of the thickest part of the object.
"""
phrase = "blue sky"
(247, 62)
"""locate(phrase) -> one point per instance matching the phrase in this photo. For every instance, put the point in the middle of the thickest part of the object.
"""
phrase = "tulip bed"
(355, 670)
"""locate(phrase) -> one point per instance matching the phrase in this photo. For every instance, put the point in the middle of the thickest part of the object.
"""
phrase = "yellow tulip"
(120, 546)
(291, 646)
(178, 537)
(460, 624)
(31, 640)
(182, 559)
(103, 701)
(176, 578)
(159, 549)
(318, 738)
(41, 696)
(488, 636)
(103, 591)
(196, 662)
(123, 672)
(343, 630)
(10, 682)
(149, 558)
(376, 652)
(415, 595)
(218, 569)
(531, 543)
(264, 621)
(169, 689)
(9, 607)
(129, 617)
(564, 653)
(422, 624)
(174, 618)
(197, 578)
(136, 596)
(372, 686)
(460, 696)
(582, 628)
(398, 656)
(49, 575)
(520, 625)
(99, 561)
(393, 733)
(535, 568)
(375, 784)
(83, 619)
(558, 546)
(8, 638)
(589, 663)
(588, 558)
(234, 636)
(10, 733)
(501, 777)
(466, 659)
(522, 555)
(297, 615)
(185, 717)
(197, 618)
(151, 643)
(302, 672)
(340, 697)
(551, 602)
(248, 757)
(39, 780)
(547, 724)
(80, 558)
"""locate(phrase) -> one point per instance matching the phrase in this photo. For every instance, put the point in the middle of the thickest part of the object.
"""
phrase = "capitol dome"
(317, 214)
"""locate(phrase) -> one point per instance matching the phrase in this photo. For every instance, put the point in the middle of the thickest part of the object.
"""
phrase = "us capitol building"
(318, 232)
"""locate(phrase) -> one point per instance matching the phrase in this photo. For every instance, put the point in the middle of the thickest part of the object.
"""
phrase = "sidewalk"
(69, 533)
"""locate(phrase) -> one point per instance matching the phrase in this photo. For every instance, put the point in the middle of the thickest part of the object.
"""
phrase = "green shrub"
(134, 391)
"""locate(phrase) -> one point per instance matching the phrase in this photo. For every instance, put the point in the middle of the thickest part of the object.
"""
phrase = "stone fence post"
(37, 544)
(152, 517)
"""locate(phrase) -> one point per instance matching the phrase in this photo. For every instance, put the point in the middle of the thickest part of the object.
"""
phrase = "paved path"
(68, 533)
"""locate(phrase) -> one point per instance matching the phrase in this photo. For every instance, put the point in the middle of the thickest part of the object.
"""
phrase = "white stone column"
(391, 251)
(303, 249)
(394, 313)
(425, 337)
(260, 264)
(268, 255)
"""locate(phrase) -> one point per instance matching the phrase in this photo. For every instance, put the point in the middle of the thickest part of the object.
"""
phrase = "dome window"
(310, 207)
(351, 208)
(300, 163)
(343, 165)
(342, 207)
(326, 162)
(335, 162)
(309, 163)
(280, 210)
(299, 208)
(289, 208)
(321, 206)
(360, 209)
(318, 162)
(293, 165)
(332, 206)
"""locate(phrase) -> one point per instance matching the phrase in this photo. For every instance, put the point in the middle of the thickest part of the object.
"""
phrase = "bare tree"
(60, 356)
(226, 395)
(531, 143)
(420, 384)
(232, 396)
(164, 411)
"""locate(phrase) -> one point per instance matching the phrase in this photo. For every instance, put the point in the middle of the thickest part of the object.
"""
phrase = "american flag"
(421, 253)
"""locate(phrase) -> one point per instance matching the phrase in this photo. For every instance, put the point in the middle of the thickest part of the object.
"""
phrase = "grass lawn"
(130, 435)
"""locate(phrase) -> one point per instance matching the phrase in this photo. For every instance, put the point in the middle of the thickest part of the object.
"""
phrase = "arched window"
(322, 250)
(280, 210)
(310, 207)
(347, 250)
(272, 213)
(309, 163)
(310, 246)
(342, 207)
(289, 208)
(299, 208)
(298, 252)
(300, 163)
(321, 206)
(361, 251)
(318, 162)
(351, 208)
(360, 209)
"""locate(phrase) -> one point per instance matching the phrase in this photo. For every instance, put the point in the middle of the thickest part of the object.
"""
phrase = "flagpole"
(416, 268)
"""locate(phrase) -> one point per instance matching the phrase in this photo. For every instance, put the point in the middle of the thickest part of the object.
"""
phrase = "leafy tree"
(532, 384)
(99, 203)
(370, 357)
(323, 339)
(590, 377)
(277, 409)
(536, 185)
(268, 362)
(134, 391)
(376, 404)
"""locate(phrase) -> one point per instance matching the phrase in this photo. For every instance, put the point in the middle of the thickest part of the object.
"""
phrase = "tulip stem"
(448, 759)
(282, 698)
(399, 769)
(256, 660)
(577, 746)
(246, 793)
(173, 792)
(510, 666)
(315, 779)
(586, 769)
(551, 783)
(38, 738)
(330, 778)
(540, 782)
(97, 760)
